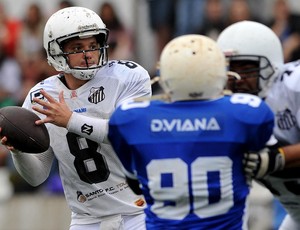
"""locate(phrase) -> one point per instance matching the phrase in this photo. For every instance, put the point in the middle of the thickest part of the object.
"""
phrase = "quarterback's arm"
(58, 113)
(34, 168)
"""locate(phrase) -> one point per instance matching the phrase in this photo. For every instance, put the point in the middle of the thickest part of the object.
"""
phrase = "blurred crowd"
(210, 17)
(23, 59)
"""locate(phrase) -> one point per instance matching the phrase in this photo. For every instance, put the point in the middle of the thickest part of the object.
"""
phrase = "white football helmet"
(192, 67)
(253, 41)
(69, 23)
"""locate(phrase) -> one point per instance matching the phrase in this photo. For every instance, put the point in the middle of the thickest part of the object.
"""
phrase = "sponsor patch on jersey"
(140, 202)
(96, 95)
(80, 110)
(37, 94)
(88, 27)
(80, 197)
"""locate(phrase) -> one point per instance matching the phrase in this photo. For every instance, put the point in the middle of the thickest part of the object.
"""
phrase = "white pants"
(135, 222)
(260, 207)
(289, 224)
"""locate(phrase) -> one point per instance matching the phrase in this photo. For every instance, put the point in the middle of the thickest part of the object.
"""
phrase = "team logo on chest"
(285, 119)
(96, 94)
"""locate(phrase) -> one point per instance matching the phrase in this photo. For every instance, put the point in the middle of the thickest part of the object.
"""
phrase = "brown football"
(18, 125)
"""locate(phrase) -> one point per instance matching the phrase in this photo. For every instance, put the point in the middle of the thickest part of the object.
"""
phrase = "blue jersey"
(188, 157)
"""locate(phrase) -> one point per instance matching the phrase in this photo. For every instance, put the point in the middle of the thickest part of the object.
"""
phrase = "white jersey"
(91, 173)
(284, 100)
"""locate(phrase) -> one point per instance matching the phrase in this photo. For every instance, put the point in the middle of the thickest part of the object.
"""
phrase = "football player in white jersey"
(76, 105)
(255, 53)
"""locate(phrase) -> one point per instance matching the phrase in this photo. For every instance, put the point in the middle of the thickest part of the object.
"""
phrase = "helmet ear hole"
(102, 38)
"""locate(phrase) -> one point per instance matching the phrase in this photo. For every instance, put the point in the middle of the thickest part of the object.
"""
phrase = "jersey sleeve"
(284, 99)
(262, 129)
(136, 84)
(34, 168)
(257, 117)
(34, 92)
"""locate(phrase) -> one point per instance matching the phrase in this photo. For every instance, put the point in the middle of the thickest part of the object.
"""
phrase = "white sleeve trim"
(95, 129)
(34, 168)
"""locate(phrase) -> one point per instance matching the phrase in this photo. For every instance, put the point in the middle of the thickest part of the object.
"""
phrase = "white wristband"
(92, 128)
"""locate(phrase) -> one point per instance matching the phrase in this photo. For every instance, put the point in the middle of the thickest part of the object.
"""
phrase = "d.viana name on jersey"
(184, 125)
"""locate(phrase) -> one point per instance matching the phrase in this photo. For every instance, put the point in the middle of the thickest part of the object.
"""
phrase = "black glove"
(268, 160)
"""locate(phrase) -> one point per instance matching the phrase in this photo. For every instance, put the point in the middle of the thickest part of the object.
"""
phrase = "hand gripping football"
(18, 125)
